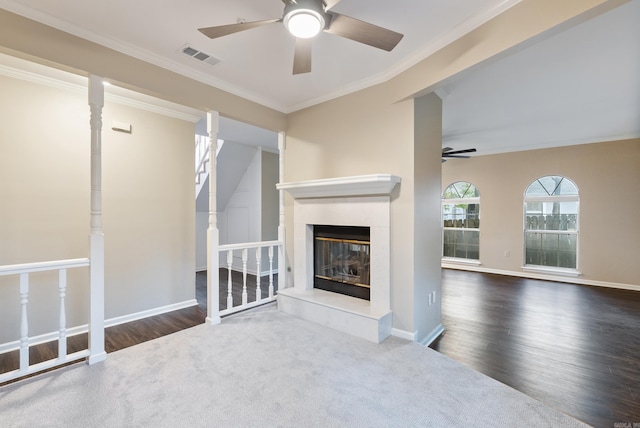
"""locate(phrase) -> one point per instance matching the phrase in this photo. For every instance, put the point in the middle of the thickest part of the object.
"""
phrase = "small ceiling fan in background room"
(307, 18)
(448, 152)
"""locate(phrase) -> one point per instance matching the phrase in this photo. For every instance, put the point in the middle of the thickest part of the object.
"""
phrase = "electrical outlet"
(507, 253)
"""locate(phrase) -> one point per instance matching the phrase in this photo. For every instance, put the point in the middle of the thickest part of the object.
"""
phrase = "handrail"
(202, 149)
(43, 266)
(203, 160)
(244, 245)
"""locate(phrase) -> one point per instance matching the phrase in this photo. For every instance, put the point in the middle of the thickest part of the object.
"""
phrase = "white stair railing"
(22, 271)
(202, 156)
(245, 249)
(202, 159)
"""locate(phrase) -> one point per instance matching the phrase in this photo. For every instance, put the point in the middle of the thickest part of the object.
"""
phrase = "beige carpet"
(268, 369)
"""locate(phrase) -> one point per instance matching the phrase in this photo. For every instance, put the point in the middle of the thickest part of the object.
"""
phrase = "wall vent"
(199, 55)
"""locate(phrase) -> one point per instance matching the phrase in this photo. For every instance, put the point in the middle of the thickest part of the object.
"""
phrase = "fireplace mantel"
(360, 185)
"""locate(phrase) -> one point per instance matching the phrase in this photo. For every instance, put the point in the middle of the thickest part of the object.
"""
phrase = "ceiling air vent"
(199, 55)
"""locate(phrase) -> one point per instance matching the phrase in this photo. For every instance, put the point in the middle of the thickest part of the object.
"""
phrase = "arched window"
(551, 206)
(461, 221)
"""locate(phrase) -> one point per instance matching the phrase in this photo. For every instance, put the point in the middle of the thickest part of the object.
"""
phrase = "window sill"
(452, 260)
(552, 270)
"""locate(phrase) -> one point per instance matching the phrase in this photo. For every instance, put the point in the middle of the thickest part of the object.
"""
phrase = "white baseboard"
(545, 277)
(403, 334)
(73, 331)
(433, 335)
(149, 313)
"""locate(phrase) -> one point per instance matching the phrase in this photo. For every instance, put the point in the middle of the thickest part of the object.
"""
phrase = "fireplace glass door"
(342, 261)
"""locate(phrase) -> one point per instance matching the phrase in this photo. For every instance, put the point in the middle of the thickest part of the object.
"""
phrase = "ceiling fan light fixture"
(304, 23)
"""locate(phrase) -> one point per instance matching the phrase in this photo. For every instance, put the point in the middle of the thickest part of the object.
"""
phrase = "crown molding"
(78, 84)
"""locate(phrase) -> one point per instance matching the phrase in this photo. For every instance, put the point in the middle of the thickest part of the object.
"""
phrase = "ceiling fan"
(448, 152)
(307, 18)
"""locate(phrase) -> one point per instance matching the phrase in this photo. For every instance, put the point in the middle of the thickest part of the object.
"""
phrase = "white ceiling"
(257, 64)
(578, 86)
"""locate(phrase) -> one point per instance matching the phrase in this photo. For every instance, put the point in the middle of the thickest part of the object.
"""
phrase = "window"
(551, 223)
(461, 221)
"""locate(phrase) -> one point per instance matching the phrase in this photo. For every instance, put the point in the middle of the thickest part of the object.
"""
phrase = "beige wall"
(426, 236)
(148, 203)
(149, 211)
(607, 175)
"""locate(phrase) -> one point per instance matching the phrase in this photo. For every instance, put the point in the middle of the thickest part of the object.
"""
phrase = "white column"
(213, 235)
(96, 237)
(282, 265)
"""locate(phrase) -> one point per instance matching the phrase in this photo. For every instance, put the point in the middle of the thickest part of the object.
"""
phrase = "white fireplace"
(347, 201)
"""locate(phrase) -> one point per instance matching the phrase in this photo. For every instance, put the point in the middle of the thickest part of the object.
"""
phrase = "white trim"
(63, 82)
(74, 331)
(43, 266)
(169, 111)
(403, 334)
(436, 333)
(455, 201)
(552, 198)
(455, 260)
(361, 185)
(551, 231)
(550, 270)
(247, 245)
(149, 313)
(533, 275)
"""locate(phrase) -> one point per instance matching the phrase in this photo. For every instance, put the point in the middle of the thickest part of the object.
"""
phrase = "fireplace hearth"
(342, 260)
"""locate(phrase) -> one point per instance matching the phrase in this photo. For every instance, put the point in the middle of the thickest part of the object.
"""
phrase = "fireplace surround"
(361, 201)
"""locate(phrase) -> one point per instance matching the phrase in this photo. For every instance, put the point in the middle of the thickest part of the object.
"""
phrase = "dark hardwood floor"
(575, 348)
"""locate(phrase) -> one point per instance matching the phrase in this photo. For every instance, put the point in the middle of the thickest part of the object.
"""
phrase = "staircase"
(232, 162)
(202, 161)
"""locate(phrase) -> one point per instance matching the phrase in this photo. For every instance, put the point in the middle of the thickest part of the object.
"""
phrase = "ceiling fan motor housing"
(308, 7)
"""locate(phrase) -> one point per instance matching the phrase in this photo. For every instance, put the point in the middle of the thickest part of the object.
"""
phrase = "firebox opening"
(342, 260)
